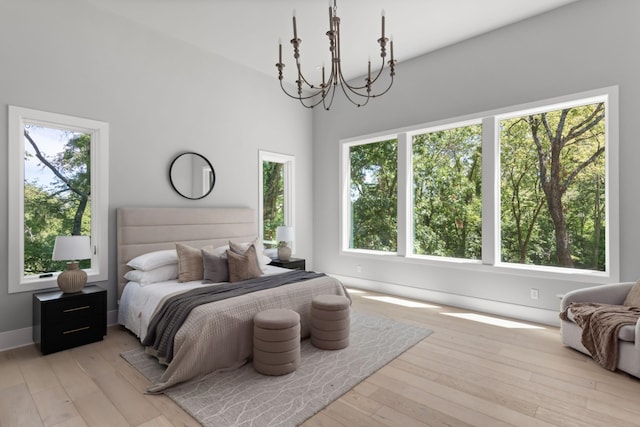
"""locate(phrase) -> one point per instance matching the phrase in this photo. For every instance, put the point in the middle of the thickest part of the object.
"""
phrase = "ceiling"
(247, 31)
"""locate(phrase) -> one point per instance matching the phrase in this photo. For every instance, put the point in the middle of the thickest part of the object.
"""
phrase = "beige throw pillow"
(243, 267)
(633, 297)
(189, 263)
(241, 249)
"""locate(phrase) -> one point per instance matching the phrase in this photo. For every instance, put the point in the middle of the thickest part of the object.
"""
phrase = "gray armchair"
(628, 337)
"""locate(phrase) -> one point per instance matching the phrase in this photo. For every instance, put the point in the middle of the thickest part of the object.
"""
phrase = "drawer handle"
(84, 307)
(75, 330)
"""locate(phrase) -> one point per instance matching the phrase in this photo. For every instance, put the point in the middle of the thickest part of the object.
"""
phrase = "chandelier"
(311, 95)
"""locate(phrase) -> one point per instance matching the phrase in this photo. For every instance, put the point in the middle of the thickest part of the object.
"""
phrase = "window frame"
(345, 193)
(491, 244)
(99, 132)
(289, 188)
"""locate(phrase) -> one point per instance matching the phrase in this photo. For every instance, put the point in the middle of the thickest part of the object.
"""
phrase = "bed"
(215, 336)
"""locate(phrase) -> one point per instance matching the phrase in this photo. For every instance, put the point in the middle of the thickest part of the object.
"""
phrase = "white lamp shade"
(67, 248)
(284, 234)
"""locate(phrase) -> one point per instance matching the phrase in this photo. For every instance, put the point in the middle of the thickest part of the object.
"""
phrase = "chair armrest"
(613, 293)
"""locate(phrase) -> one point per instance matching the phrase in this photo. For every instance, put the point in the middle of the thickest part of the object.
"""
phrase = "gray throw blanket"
(169, 318)
(600, 325)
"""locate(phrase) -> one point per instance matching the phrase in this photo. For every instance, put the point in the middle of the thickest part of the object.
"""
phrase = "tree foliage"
(60, 207)
(272, 199)
(374, 196)
(447, 198)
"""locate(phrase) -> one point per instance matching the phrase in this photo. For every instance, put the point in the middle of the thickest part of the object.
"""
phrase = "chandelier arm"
(321, 100)
(324, 104)
(375, 79)
(372, 82)
(321, 95)
(303, 79)
(385, 91)
(296, 96)
(356, 89)
(349, 93)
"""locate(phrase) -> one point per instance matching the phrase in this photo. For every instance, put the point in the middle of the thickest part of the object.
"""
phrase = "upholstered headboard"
(142, 230)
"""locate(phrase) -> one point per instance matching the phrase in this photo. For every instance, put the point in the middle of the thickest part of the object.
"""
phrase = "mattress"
(138, 302)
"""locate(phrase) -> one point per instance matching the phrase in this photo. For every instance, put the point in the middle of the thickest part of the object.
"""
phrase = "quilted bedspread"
(218, 336)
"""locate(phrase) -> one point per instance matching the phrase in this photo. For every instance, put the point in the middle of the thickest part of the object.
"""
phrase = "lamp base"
(72, 279)
(284, 253)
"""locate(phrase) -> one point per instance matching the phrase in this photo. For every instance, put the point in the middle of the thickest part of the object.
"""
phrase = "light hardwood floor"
(465, 373)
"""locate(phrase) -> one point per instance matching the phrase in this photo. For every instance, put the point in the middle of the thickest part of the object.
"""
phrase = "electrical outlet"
(358, 269)
(534, 293)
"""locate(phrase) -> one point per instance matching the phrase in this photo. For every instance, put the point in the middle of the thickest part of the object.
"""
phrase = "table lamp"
(72, 249)
(284, 235)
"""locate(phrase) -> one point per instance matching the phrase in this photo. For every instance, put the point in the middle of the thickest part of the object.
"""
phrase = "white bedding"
(139, 302)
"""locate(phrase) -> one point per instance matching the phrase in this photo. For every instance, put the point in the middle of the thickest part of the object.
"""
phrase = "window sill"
(38, 284)
(552, 273)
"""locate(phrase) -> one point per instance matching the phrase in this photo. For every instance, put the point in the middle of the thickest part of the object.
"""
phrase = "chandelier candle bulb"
(390, 44)
(295, 29)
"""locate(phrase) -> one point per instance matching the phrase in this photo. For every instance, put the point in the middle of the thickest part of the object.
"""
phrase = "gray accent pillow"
(215, 268)
(243, 267)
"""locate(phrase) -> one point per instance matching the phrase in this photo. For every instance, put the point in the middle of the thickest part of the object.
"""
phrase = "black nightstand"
(292, 263)
(62, 321)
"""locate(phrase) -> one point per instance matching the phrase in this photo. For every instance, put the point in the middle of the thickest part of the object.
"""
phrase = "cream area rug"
(246, 398)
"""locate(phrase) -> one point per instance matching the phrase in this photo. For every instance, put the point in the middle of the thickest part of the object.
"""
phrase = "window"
(553, 180)
(373, 196)
(58, 185)
(532, 188)
(276, 195)
(447, 192)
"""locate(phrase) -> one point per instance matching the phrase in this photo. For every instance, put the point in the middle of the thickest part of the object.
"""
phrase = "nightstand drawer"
(63, 335)
(75, 308)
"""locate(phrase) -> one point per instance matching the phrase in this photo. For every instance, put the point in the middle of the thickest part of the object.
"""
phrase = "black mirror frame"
(213, 175)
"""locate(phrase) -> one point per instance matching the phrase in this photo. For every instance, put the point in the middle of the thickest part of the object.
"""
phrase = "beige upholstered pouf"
(276, 341)
(330, 322)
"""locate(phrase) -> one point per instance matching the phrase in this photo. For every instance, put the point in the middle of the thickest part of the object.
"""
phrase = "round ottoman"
(330, 322)
(276, 341)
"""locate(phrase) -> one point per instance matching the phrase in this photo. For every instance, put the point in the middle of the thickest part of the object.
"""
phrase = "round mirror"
(192, 176)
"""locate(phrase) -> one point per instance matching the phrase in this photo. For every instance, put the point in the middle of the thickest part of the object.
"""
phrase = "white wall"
(586, 45)
(160, 97)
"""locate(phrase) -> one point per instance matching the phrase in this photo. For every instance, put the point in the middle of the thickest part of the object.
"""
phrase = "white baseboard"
(16, 338)
(22, 337)
(521, 312)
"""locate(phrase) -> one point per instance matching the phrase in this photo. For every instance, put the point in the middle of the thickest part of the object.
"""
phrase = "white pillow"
(160, 274)
(153, 260)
